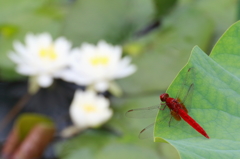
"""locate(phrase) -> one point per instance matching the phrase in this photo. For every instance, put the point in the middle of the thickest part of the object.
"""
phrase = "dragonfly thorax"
(173, 104)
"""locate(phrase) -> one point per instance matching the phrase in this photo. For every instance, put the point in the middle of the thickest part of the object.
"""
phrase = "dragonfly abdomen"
(192, 122)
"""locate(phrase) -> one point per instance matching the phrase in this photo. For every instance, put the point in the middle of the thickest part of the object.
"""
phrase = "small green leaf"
(8, 30)
(214, 102)
(27, 121)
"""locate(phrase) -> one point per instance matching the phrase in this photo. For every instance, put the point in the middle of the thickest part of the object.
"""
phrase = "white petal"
(15, 58)
(45, 80)
(114, 51)
(83, 118)
(99, 75)
(100, 118)
(72, 76)
(103, 46)
(117, 51)
(125, 61)
(29, 61)
(44, 39)
(20, 48)
(26, 70)
(101, 86)
(126, 71)
(102, 102)
(87, 48)
(66, 75)
(103, 43)
(30, 40)
(62, 45)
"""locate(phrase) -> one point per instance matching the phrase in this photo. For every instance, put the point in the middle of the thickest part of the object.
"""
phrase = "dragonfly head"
(163, 97)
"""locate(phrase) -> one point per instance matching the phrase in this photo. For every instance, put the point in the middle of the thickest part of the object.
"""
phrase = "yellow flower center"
(99, 60)
(48, 53)
(89, 108)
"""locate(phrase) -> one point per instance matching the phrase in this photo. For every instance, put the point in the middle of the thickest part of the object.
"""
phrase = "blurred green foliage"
(159, 55)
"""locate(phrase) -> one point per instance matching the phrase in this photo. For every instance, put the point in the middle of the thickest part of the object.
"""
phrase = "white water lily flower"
(89, 110)
(98, 65)
(41, 57)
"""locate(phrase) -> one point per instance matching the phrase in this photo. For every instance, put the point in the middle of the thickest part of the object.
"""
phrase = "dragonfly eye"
(163, 97)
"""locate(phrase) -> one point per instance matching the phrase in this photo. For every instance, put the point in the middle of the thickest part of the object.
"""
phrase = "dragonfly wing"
(189, 94)
(184, 95)
(147, 132)
(175, 115)
(186, 89)
(187, 99)
(147, 112)
(185, 83)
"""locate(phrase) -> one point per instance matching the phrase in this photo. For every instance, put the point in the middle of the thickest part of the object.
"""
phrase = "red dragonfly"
(177, 109)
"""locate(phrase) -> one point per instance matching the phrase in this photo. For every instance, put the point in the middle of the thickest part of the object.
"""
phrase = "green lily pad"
(227, 50)
(214, 103)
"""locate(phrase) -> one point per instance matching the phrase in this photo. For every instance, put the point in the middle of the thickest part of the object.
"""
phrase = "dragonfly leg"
(164, 106)
(170, 121)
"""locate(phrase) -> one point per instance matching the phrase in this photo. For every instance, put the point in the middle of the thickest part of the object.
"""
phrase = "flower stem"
(14, 111)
